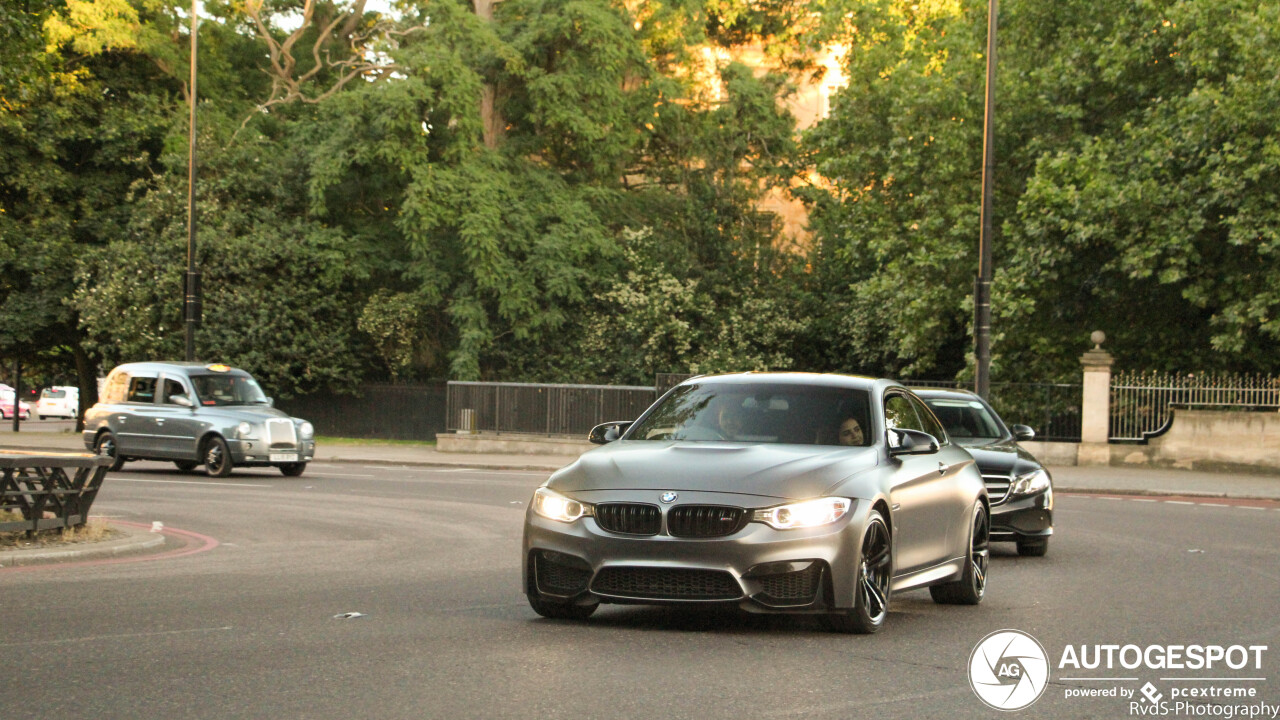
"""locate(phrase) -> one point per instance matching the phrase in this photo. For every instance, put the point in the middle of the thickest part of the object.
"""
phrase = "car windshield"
(965, 419)
(228, 390)
(759, 413)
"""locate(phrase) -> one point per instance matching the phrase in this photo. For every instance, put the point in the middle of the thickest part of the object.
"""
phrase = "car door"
(134, 420)
(176, 425)
(921, 507)
(956, 485)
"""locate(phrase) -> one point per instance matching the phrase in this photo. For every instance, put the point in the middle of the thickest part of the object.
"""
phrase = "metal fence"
(1051, 409)
(375, 410)
(1141, 402)
(540, 408)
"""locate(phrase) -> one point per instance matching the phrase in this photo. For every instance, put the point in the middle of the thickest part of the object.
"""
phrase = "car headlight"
(1030, 483)
(244, 430)
(554, 506)
(306, 430)
(810, 513)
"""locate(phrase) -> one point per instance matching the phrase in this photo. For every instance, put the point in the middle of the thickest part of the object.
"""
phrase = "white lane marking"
(188, 482)
(91, 638)
(1142, 499)
(1181, 502)
(1249, 507)
(339, 475)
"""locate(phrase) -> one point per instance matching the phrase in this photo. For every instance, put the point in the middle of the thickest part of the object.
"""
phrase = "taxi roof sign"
(218, 367)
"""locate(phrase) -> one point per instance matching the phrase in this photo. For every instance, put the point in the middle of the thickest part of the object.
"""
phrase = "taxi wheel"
(217, 458)
(292, 469)
(106, 445)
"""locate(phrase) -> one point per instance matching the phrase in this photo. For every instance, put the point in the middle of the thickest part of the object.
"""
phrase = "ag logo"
(1009, 670)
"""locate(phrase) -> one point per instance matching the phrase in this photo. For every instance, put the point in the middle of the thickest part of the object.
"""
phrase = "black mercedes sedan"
(1020, 488)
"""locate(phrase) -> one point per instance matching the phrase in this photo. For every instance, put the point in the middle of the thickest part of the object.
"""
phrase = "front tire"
(871, 585)
(559, 610)
(292, 469)
(972, 585)
(217, 458)
(1033, 548)
(106, 445)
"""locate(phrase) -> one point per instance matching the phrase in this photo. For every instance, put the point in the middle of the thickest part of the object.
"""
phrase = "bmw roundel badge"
(668, 497)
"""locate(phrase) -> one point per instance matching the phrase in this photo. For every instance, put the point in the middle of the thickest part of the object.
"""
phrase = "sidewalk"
(1121, 480)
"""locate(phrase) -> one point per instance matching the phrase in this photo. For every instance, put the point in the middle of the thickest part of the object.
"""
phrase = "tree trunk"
(87, 379)
(491, 120)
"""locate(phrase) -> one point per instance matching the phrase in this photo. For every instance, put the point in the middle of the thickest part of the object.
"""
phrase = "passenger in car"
(850, 432)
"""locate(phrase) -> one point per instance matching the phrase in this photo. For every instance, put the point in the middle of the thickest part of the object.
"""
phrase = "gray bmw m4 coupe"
(777, 492)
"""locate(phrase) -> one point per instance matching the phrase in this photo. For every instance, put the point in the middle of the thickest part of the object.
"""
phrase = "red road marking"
(205, 543)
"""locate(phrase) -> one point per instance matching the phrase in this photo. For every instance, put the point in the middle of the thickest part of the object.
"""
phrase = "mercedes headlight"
(244, 430)
(306, 431)
(1030, 483)
(554, 506)
(810, 513)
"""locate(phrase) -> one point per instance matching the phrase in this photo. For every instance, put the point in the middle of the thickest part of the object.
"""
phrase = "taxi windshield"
(216, 390)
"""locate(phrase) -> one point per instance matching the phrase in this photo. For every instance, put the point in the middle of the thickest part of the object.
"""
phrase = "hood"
(251, 413)
(1001, 457)
(768, 470)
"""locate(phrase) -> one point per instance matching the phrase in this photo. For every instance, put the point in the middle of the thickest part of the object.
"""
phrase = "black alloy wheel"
(106, 446)
(972, 585)
(292, 469)
(871, 588)
(186, 465)
(217, 458)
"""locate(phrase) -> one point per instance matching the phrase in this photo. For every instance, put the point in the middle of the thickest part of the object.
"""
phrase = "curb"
(135, 540)
(1161, 493)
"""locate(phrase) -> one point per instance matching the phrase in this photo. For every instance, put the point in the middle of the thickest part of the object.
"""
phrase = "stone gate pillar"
(1095, 404)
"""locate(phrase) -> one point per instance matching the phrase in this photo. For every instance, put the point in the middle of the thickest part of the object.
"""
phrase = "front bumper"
(251, 452)
(1023, 518)
(759, 568)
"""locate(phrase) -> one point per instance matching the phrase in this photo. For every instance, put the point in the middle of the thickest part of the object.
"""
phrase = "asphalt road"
(243, 626)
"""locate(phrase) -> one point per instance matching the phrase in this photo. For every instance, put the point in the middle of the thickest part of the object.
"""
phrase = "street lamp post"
(982, 286)
(191, 302)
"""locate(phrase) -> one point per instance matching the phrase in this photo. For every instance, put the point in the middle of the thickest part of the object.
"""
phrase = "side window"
(173, 386)
(931, 424)
(898, 413)
(142, 390)
(114, 390)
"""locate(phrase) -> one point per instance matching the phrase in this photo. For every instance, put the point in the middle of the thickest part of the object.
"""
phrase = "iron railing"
(374, 410)
(1142, 402)
(541, 409)
(49, 490)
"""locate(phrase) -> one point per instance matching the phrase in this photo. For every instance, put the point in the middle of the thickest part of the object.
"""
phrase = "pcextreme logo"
(1008, 670)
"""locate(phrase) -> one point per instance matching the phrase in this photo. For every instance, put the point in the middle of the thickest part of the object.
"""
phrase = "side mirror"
(1022, 432)
(605, 433)
(911, 442)
(181, 400)
(271, 402)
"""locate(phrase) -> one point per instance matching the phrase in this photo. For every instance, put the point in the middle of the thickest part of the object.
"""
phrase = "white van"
(59, 401)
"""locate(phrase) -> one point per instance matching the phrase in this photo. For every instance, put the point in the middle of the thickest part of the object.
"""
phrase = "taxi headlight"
(810, 513)
(554, 506)
(306, 431)
(244, 430)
